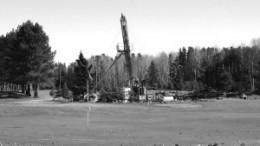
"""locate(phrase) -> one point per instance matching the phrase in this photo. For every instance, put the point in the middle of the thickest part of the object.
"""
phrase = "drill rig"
(133, 81)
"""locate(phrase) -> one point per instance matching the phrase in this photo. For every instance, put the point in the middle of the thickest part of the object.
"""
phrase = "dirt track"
(40, 122)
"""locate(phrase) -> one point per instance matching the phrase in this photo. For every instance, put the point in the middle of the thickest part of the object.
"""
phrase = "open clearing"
(29, 121)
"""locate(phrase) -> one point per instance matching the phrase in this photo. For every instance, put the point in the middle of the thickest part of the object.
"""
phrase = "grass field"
(28, 121)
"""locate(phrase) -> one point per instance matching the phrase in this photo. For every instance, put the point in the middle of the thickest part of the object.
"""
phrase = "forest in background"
(199, 69)
(27, 59)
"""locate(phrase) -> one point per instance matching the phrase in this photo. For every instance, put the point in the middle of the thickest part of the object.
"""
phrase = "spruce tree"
(152, 75)
(66, 91)
(82, 77)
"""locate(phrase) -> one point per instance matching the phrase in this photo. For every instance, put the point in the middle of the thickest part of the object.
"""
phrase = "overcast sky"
(93, 26)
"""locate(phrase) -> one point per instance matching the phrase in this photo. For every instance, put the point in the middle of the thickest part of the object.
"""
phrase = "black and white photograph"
(129, 73)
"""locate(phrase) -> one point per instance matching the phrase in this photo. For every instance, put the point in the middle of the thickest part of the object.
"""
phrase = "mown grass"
(43, 122)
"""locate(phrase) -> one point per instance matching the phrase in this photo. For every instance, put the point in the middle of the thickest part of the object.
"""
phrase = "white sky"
(155, 25)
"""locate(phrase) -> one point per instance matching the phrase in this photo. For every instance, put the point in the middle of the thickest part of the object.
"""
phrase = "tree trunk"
(23, 88)
(28, 91)
(252, 75)
(35, 88)
(4, 87)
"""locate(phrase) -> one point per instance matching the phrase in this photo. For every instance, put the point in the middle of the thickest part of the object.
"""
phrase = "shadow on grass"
(12, 95)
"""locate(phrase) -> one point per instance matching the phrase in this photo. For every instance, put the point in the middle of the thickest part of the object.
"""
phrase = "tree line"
(226, 69)
(27, 59)
(234, 69)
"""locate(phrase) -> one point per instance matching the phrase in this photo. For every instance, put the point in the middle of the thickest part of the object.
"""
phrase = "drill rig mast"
(133, 81)
(126, 50)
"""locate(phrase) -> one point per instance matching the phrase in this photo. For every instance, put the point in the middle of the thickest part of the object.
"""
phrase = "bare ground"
(29, 121)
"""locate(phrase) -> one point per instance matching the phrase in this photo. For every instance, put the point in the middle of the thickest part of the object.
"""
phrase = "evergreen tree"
(66, 91)
(152, 75)
(176, 76)
(171, 72)
(33, 58)
(14, 61)
(82, 78)
(3, 72)
(190, 65)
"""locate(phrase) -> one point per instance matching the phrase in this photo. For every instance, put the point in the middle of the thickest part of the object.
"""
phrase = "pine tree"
(82, 78)
(66, 91)
(152, 75)
(33, 57)
(2, 59)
